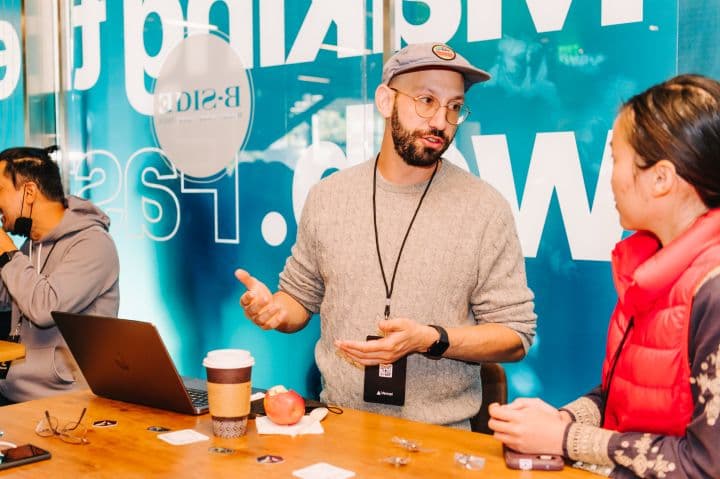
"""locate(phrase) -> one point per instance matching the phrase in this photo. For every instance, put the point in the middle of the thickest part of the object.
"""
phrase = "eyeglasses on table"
(73, 432)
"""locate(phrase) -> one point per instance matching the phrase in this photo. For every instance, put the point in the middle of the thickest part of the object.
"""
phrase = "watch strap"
(6, 257)
(438, 348)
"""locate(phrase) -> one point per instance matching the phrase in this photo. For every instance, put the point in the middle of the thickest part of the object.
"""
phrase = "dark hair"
(34, 164)
(679, 121)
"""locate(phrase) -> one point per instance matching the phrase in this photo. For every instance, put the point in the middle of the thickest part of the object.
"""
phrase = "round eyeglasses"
(426, 106)
(73, 432)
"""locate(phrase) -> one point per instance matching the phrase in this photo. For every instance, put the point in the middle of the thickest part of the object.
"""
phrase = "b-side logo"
(202, 106)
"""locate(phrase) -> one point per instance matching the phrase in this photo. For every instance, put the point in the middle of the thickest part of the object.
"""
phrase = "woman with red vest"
(657, 410)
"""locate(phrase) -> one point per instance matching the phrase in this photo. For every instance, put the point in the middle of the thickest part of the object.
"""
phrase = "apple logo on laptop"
(121, 363)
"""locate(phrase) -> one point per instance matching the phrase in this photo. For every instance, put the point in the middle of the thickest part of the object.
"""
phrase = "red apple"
(282, 406)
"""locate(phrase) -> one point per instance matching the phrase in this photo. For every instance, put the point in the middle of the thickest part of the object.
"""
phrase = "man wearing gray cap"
(413, 264)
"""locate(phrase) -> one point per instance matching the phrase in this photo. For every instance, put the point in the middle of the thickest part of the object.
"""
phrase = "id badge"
(385, 383)
(5, 365)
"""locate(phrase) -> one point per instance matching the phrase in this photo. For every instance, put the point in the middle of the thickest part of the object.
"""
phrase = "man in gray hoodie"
(68, 263)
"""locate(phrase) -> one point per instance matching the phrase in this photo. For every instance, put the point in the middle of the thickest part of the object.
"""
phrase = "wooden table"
(354, 440)
(10, 351)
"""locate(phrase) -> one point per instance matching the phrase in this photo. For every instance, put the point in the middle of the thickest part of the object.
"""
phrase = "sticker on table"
(221, 450)
(397, 460)
(158, 429)
(270, 459)
(105, 423)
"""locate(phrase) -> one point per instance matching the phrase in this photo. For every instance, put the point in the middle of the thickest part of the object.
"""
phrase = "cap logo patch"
(443, 52)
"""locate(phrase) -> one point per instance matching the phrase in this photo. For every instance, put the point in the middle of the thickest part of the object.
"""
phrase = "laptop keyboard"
(198, 397)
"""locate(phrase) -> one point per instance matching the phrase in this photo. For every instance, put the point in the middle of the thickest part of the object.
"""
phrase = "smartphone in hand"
(536, 462)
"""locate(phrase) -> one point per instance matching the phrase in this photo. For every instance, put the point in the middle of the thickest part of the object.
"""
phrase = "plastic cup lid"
(228, 358)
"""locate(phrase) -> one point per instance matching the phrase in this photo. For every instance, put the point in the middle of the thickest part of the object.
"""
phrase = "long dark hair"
(679, 121)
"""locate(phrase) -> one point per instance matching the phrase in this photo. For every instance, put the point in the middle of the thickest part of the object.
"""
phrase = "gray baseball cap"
(421, 56)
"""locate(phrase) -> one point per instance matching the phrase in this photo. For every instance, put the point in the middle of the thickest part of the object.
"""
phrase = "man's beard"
(406, 147)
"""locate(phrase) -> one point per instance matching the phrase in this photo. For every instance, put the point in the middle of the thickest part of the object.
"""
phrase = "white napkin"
(323, 470)
(183, 436)
(306, 425)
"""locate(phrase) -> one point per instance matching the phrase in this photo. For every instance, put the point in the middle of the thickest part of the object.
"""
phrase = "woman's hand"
(529, 425)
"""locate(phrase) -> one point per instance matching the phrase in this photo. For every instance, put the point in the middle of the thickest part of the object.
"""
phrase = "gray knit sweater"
(461, 265)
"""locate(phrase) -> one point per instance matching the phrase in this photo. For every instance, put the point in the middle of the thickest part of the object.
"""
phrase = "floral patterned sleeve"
(586, 409)
(637, 454)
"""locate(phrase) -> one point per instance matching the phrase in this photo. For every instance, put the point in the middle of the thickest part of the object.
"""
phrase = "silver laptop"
(127, 361)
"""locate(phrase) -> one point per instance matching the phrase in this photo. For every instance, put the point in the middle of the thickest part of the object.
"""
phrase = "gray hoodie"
(73, 268)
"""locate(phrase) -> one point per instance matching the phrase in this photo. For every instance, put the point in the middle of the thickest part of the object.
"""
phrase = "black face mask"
(23, 224)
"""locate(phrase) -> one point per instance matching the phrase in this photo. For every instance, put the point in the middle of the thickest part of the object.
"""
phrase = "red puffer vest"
(649, 387)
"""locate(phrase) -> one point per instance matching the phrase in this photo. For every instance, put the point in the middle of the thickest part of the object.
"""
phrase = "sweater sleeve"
(5, 302)
(88, 267)
(502, 295)
(5, 298)
(697, 453)
(586, 409)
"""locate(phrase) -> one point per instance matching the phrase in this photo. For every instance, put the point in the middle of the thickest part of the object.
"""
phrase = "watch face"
(439, 346)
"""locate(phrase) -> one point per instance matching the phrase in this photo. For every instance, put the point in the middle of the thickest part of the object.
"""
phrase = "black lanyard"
(389, 289)
(605, 393)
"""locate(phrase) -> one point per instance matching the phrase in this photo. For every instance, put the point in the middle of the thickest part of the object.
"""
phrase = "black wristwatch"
(6, 257)
(438, 348)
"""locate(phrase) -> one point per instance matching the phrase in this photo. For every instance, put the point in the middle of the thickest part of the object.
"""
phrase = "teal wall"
(538, 132)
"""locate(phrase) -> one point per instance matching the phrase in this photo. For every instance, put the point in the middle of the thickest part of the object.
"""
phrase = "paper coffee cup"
(229, 389)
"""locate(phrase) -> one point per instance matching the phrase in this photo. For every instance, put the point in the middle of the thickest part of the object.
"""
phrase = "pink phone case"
(537, 462)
